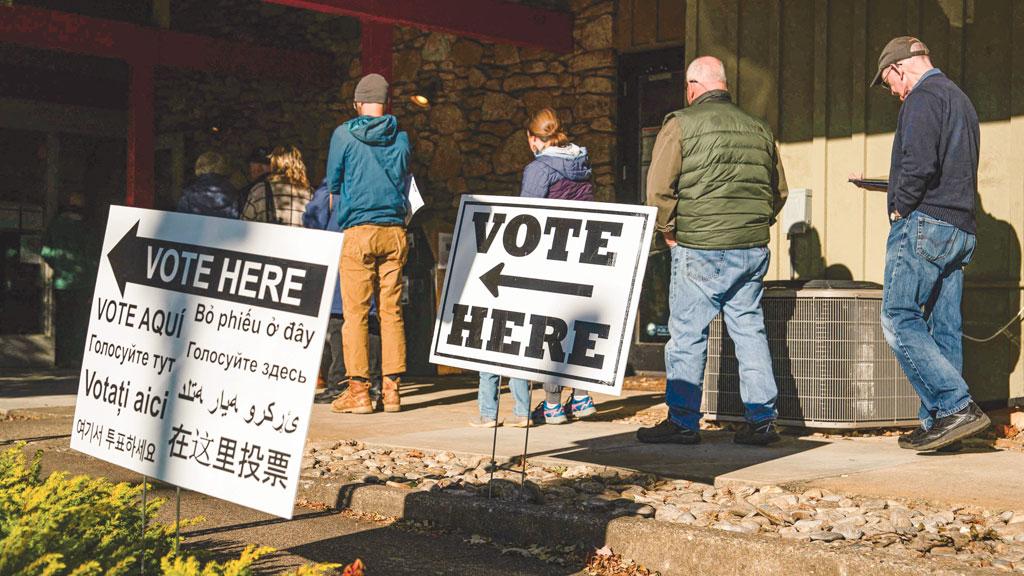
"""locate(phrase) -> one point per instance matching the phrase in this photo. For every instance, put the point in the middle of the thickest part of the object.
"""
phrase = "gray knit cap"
(372, 88)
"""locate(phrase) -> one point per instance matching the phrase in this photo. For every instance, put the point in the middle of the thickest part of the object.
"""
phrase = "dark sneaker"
(668, 432)
(949, 429)
(906, 441)
(761, 434)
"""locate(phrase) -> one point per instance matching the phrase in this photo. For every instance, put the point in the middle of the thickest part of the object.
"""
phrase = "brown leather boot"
(389, 394)
(355, 400)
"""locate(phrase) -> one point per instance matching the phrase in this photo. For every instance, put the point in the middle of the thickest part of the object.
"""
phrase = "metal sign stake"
(494, 442)
(526, 442)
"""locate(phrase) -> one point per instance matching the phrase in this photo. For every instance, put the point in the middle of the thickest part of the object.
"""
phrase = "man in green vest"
(718, 184)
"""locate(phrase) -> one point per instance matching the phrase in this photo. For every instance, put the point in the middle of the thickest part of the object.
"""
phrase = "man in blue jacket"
(366, 172)
(933, 180)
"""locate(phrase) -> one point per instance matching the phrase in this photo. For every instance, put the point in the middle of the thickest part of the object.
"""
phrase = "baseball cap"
(897, 49)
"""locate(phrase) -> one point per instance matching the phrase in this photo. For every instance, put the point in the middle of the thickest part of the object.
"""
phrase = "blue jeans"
(487, 396)
(704, 283)
(924, 283)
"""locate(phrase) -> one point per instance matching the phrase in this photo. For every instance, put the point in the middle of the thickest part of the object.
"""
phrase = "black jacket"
(210, 195)
(935, 154)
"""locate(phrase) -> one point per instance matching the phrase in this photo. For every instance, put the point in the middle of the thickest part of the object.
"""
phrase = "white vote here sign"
(542, 289)
(202, 353)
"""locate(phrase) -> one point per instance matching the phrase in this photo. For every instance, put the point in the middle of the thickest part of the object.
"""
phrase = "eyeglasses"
(886, 74)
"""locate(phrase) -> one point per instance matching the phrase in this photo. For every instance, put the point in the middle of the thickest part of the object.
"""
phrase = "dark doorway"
(22, 214)
(653, 84)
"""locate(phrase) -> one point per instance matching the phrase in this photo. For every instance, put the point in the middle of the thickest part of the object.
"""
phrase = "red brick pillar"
(141, 136)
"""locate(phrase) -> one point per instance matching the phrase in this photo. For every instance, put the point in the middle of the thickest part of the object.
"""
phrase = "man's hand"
(670, 238)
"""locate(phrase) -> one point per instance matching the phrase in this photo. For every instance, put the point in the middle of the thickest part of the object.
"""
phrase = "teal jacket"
(367, 167)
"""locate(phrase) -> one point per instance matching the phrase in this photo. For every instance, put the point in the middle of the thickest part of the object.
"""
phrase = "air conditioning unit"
(832, 364)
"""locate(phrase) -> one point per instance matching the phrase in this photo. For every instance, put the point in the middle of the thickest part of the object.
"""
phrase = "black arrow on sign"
(134, 260)
(494, 278)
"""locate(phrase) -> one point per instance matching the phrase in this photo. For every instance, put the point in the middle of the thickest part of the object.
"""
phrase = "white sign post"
(544, 290)
(203, 349)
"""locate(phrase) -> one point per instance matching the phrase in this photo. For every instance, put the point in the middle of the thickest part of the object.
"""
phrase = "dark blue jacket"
(210, 195)
(935, 153)
(560, 173)
(318, 217)
(367, 166)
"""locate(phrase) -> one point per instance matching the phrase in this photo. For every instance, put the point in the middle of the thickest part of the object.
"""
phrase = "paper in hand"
(413, 199)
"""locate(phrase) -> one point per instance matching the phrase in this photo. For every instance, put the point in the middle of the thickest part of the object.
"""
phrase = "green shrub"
(84, 526)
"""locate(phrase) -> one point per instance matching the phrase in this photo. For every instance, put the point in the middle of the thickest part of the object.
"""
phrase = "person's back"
(559, 173)
(284, 194)
(717, 183)
(211, 193)
(367, 166)
(369, 160)
(725, 187)
(287, 203)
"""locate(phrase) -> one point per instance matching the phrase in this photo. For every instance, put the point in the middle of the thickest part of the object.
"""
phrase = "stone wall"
(233, 113)
(472, 139)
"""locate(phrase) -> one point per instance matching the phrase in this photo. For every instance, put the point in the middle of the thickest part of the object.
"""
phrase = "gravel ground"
(974, 536)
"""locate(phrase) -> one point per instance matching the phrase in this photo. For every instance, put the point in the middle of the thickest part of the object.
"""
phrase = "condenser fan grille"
(830, 359)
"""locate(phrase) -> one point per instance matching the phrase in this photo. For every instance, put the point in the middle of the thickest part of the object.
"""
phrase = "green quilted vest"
(725, 184)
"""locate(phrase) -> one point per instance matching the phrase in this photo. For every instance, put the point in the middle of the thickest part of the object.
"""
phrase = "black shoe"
(761, 434)
(906, 441)
(949, 429)
(668, 432)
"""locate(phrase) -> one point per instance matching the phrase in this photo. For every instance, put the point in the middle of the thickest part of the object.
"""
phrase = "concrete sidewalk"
(436, 411)
(435, 416)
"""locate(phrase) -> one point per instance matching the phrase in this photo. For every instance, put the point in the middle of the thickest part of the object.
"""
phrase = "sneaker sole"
(584, 413)
(558, 420)
(364, 410)
(965, 432)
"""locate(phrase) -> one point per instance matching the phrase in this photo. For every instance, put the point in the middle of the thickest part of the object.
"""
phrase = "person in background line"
(72, 248)
(321, 214)
(367, 168)
(282, 197)
(211, 193)
(718, 184)
(560, 170)
(258, 170)
(933, 180)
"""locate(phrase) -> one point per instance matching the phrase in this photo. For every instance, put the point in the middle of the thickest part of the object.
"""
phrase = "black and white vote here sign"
(202, 353)
(542, 289)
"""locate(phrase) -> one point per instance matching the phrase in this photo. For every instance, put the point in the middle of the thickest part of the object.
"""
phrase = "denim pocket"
(702, 265)
(935, 239)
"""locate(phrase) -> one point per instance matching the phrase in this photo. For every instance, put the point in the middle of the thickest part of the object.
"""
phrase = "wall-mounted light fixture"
(426, 91)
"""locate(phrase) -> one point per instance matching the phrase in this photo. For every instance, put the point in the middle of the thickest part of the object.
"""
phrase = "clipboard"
(875, 184)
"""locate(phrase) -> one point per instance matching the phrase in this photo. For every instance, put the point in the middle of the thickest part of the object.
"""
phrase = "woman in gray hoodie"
(560, 170)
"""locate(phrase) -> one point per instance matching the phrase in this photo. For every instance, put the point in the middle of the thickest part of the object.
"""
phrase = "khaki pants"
(371, 261)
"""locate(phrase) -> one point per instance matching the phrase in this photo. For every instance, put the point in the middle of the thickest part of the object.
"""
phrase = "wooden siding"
(804, 65)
